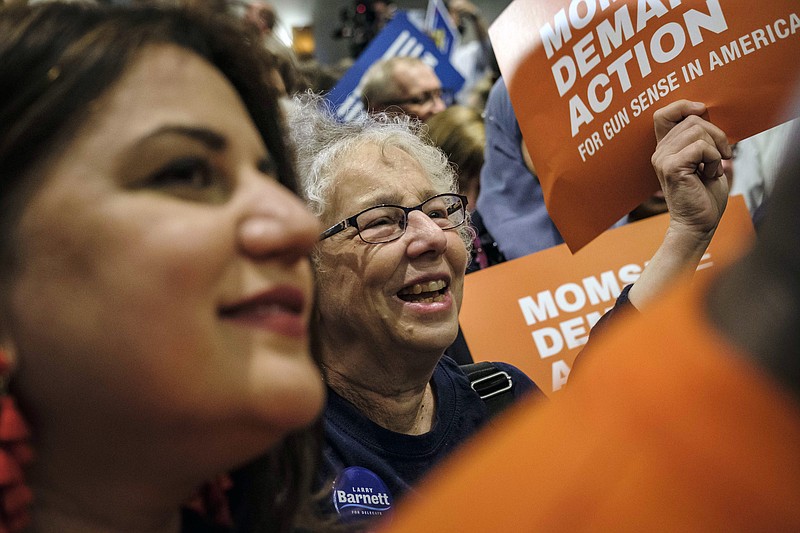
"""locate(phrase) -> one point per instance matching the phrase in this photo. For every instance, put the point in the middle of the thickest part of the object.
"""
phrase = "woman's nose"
(424, 235)
(277, 225)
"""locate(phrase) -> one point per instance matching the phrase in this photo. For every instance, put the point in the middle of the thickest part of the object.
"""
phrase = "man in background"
(403, 85)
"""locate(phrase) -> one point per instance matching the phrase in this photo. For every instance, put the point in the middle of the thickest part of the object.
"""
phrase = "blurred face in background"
(419, 90)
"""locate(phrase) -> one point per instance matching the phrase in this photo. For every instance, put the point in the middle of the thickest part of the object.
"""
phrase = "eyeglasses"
(445, 95)
(386, 223)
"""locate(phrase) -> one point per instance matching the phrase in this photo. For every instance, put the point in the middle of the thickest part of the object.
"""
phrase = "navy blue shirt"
(400, 460)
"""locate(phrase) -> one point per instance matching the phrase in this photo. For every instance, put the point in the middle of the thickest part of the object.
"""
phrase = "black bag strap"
(494, 386)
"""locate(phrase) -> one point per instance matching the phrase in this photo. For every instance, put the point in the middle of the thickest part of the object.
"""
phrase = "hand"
(464, 8)
(688, 163)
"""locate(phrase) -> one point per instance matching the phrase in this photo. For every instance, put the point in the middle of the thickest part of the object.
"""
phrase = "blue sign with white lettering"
(400, 37)
(440, 27)
(358, 493)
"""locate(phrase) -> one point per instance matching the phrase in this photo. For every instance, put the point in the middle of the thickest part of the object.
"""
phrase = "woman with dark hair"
(156, 289)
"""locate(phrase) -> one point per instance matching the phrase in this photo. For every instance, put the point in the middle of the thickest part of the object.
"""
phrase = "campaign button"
(358, 493)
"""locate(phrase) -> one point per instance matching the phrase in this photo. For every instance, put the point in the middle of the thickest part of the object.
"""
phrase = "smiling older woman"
(390, 275)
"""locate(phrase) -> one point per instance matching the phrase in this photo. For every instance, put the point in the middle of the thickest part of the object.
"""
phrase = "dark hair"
(55, 60)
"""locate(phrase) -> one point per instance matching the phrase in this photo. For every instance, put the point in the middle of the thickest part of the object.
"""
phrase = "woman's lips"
(279, 310)
(426, 292)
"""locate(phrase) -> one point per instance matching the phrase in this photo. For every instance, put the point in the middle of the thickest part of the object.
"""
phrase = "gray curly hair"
(323, 143)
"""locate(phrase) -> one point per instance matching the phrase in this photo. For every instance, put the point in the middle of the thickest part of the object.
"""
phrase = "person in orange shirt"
(696, 430)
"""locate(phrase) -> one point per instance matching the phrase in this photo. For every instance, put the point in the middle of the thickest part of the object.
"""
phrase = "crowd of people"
(224, 309)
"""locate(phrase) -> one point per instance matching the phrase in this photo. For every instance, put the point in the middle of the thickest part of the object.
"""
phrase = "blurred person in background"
(403, 85)
(473, 57)
(511, 200)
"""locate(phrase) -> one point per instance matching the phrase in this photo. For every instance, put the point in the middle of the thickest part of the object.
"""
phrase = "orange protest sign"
(536, 311)
(585, 77)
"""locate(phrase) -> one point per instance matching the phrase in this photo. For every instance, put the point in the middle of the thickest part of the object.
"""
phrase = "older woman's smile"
(424, 292)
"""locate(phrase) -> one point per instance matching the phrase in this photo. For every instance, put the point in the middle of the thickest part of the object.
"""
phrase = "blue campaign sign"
(400, 37)
(440, 27)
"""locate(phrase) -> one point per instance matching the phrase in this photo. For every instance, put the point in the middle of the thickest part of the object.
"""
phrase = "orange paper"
(536, 311)
(586, 76)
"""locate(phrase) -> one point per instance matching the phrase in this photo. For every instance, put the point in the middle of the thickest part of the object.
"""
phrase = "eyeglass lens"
(386, 223)
(428, 97)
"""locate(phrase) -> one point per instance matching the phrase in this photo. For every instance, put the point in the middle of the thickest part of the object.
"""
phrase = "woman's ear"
(8, 348)
(8, 352)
